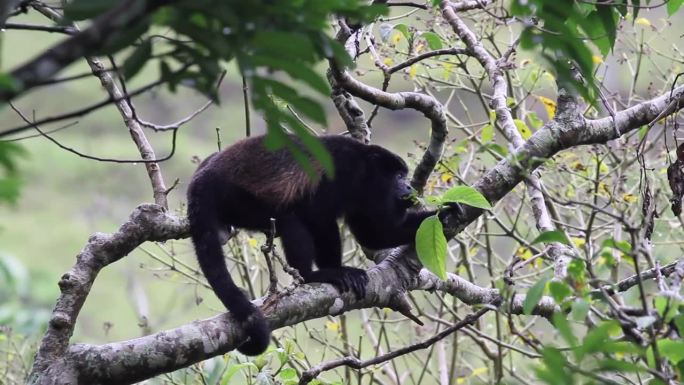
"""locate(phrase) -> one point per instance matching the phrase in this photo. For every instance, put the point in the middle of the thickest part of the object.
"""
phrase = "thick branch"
(429, 106)
(146, 223)
(568, 131)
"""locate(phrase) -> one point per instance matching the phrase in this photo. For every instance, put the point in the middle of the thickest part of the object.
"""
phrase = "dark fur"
(245, 185)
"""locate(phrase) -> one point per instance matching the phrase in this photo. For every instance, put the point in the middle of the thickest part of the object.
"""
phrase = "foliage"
(560, 30)
(10, 179)
(431, 244)
(19, 308)
(265, 39)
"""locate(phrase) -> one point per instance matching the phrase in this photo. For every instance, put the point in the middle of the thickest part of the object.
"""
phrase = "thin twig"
(355, 363)
(267, 249)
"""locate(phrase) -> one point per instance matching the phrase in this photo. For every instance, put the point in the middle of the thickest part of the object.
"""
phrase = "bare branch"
(494, 68)
(356, 363)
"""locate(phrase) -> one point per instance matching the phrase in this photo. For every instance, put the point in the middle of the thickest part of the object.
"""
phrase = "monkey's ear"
(385, 161)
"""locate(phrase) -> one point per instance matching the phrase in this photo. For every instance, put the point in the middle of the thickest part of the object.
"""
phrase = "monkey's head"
(388, 177)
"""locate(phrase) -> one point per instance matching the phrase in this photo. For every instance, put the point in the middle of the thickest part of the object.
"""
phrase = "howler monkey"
(245, 185)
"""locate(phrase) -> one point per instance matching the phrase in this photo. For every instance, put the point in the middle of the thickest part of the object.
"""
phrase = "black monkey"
(245, 185)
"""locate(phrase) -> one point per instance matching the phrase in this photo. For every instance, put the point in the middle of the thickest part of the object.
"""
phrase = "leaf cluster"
(192, 40)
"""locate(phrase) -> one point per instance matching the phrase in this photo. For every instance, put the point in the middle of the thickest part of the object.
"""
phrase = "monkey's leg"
(297, 242)
(329, 261)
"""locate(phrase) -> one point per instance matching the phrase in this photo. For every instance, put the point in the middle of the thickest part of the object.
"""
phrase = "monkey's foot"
(343, 278)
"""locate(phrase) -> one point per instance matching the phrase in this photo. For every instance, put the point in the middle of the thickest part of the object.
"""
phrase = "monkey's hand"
(343, 278)
(451, 209)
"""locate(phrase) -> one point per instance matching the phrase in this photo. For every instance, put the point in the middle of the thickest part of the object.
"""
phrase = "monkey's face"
(403, 192)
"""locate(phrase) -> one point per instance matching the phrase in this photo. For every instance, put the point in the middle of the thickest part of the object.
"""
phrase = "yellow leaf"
(413, 71)
(629, 198)
(460, 380)
(603, 188)
(525, 131)
(643, 22)
(447, 70)
(446, 177)
(388, 61)
(570, 192)
(597, 59)
(332, 326)
(578, 166)
(579, 242)
(524, 253)
(478, 371)
(549, 105)
(252, 243)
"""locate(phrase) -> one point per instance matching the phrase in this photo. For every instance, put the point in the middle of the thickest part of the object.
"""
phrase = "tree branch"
(494, 68)
(104, 29)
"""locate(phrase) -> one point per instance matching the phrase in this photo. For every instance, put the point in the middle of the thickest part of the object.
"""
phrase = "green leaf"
(673, 6)
(284, 45)
(288, 374)
(123, 39)
(234, 369)
(496, 147)
(523, 129)
(433, 40)
(137, 60)
(305, 105)
(534, 295)
(596, 339)
(86, 9)
(608, 364)
(556, 363)
(431, 246)
(559, 291)
(534, 120)
(487, 133)
(672, 350)
(666, 307)
(403, 28)
(9, 152)
(295, 70)
(466, 195)
(8, 83)
(580, 309)
(563, 326)
(608, 17)
(552, 236)
(623, 246)
(10, 187)
(577, 269)
(624, 347)
(679, 323)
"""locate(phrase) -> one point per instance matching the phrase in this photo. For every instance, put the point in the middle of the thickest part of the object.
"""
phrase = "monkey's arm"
(381, 232)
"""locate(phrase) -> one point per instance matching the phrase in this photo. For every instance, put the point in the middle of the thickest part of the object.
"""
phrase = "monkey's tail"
(204, 226)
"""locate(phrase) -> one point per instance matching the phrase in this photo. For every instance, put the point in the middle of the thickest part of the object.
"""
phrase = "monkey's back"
(274, 177)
